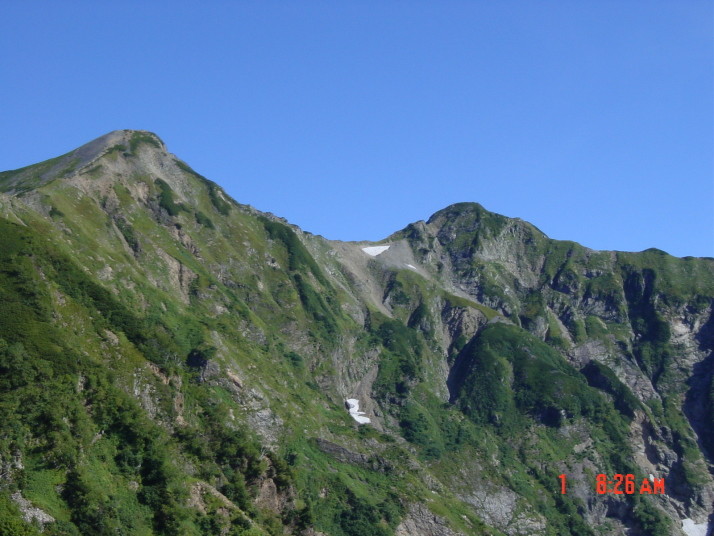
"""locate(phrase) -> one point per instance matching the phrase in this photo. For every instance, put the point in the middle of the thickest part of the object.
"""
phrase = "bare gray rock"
(419, 521)
(345, 455)
(501, 508)
(29, 512)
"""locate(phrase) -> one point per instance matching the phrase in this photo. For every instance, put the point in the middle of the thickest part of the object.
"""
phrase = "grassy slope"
(153, 323)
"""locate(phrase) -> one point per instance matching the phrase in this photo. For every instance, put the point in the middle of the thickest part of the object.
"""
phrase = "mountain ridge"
(200, 306)
(127, 141)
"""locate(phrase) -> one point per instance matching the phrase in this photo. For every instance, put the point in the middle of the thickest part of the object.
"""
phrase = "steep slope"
(174, 362)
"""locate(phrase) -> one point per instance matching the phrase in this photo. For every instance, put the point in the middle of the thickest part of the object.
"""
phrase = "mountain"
(174, 362)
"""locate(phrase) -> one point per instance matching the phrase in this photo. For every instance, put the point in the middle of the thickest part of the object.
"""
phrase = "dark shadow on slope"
(699, 400)
(459, 370)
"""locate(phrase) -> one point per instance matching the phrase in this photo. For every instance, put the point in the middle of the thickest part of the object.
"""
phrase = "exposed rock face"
(499, 508)
(421, 522)
(344, 455)
(268, 496)
(31, 513)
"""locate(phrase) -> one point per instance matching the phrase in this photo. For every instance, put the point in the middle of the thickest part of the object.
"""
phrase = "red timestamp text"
(622, 485)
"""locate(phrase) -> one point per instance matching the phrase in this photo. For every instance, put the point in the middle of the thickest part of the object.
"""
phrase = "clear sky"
(592, 120)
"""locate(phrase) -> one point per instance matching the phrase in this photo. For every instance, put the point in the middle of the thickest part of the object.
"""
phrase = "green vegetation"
(510, 373)
(295, 359)
(299, 260)
(166, 199)
(204, 220)
(456, 301)
(114, 150)
(315, 306)
(197, 387)
(602, 377)
(128, 233)
(29, 177)
(420, 428)
(216, 197)
(650, 519)
(138, 138)
(55, 212)
(97, 436)
(476, 225)
(399, 366)
(11, 523)
(555, 336)
(107, 466)
(215, 193)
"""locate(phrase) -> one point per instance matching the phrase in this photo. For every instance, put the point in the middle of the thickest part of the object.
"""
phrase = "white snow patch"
(353, 408)
(375, 250)
(410, 266)
(692, 529)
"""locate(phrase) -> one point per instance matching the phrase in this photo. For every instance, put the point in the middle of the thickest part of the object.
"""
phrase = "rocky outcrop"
(31, 513)
(419, 521)
(344, 455)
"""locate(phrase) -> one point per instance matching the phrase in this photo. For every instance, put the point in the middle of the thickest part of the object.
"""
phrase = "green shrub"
(487, 395)
(214, 191)
(204, 220)
(128, 233)
(299, 259)
(11, 522)
(116, 149)
(602, 377)
(650, 519)
(55, 212)
(315, 305)
(418, 427)
(214, 194)
(508, 373)
(295, 359)
(166, 199)
(137, 138)
(399, 364)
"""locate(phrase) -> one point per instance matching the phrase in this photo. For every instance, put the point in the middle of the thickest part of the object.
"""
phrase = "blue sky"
(592, 120)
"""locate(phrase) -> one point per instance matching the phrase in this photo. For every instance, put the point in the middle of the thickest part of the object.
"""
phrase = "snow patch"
(375, 250)
(410, 266)
(693, 529)
(353, 408)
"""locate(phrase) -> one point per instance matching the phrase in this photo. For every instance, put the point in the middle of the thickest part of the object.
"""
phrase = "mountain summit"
(174, 362)
(126, 142)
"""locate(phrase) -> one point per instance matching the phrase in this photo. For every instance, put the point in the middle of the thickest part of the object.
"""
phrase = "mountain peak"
(125, 142)
(125, 136)
(457, 210)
